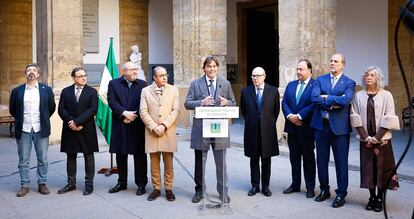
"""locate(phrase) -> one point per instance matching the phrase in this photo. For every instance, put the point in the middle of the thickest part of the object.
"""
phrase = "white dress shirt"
(31, 109)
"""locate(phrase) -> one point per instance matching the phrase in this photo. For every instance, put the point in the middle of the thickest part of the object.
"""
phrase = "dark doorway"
(262, 43)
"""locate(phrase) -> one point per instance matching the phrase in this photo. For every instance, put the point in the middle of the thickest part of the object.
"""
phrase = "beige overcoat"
(155, 111)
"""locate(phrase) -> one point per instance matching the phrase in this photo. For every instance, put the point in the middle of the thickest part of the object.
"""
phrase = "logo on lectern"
(215, 128)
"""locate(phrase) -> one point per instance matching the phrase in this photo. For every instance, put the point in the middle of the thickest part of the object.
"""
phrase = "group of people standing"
(319, 113)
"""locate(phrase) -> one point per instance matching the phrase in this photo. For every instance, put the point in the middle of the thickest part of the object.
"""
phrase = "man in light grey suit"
(209, 90)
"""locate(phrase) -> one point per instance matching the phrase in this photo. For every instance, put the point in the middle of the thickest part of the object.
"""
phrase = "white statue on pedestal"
(136, 58)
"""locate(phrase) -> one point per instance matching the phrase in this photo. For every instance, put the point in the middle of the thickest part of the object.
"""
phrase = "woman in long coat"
(373, 115)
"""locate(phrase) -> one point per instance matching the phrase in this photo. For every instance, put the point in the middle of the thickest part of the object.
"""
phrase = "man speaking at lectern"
(209, 90)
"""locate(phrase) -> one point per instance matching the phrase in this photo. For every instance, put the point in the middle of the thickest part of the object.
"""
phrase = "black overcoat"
(268, 116)
(126, 138)
(82, 113)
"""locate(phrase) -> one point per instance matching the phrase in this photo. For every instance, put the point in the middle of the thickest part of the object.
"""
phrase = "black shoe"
(378, 205)
(118, 187)
(371, 204)
(66, 189)
(290, 190)
(325, 194)
(266, 192)
(338, 202)
(197, 196)
(141, 190)
(310, 193)
(154, 195)
(88, 190)
(253, 191)
(225, 199)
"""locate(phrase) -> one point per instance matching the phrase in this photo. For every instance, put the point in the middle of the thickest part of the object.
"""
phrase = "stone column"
(59, 46)
(200, 30)
(306, 30)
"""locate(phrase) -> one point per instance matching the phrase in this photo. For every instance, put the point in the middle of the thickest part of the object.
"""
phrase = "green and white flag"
(104, 114)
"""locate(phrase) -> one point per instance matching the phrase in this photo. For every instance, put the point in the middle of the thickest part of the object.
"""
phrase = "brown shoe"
(23, 191)
(43, 189)
(170, 195)
(154, 195)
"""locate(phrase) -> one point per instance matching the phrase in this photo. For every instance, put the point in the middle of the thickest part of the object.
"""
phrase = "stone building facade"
(200, 29)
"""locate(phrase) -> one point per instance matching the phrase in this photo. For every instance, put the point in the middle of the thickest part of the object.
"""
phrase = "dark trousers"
(140, 169)
(255, 171)
(89, 168)
(325, 139)
(221, 169)
(302, 146)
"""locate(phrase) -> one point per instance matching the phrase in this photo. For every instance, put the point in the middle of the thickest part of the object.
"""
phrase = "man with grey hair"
(127, 137)
(333, 95)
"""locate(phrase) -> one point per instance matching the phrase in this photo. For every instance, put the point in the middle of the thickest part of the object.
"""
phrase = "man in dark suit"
(332, 95)
(298, 109)
(259, 106)
(77, 107)
(209, 90)
(128, 130)
(31, 105)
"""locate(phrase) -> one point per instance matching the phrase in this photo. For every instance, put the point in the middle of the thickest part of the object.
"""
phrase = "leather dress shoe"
(225, 199)
(197, 196)
(154, 195)
(67, 188)
(88, 190)
(23, 191)
(42, 189)
(170, 195)
(118, 187)
(338, 202)
(310, 193)
(141, 190)
(290, 190)
(253, 191)
(325, 194)
(266, 192)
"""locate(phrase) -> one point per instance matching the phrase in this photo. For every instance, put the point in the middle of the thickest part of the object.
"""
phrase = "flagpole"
(104, 114)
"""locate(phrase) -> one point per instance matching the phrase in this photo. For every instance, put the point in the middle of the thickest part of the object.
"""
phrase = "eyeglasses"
(257, 76)
(81, 76)
(163, 76)
(131, 69)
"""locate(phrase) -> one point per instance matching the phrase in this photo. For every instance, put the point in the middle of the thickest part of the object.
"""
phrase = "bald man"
(259, 106)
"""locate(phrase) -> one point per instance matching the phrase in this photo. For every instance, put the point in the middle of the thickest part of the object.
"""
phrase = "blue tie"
(259, 99)
(302, 85)
(212, 91)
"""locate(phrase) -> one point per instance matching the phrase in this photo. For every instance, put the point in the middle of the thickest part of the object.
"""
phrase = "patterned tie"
(302, 85)
(259, 99)
(212, 90)
(78, 93)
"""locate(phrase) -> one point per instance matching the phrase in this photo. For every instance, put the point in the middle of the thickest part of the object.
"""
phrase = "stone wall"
(405, 42)
(15, 44)
(133, 28)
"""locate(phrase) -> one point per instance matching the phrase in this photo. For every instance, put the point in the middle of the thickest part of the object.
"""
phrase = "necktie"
(259, 99)
(302, 85)
(78, 92)
(333, 82)
(211, 87)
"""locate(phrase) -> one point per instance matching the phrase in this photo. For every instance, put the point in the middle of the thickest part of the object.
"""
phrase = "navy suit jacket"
(304, 108)
(47, 108)
(338, 103)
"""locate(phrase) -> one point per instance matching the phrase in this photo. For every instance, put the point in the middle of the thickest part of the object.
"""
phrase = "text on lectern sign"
(217, 112)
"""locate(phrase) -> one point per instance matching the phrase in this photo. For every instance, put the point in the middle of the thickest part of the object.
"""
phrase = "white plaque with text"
(217, 112)
(215, 128)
